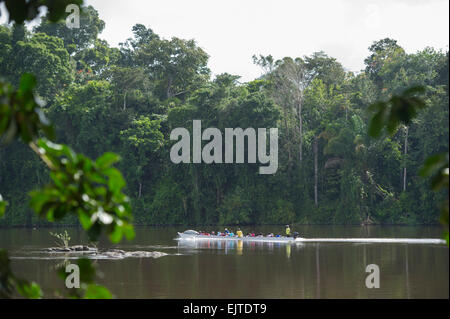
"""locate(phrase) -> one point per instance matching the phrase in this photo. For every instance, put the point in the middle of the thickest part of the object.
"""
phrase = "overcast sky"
(231, 31)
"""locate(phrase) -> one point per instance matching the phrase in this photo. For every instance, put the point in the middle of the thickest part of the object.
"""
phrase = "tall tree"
(75, 39)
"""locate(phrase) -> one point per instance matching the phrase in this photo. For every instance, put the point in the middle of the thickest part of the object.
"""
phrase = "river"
(248, 270)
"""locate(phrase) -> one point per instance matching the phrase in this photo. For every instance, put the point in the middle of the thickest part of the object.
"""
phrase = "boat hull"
(182, 236)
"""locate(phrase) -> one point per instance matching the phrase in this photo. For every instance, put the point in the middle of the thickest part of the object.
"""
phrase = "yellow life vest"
(288, 231)
(239, 233)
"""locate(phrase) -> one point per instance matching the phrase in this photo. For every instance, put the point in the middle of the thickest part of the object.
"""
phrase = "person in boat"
(226, 231)
(239, 233)
(288, 231)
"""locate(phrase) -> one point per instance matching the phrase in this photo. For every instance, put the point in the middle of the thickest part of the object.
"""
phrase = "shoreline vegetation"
(127, 99)
(355, 148)
(183, 226)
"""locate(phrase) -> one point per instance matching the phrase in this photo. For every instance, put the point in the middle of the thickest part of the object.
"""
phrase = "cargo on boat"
(194, 235)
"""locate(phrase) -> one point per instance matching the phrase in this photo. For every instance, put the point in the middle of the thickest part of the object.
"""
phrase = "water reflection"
(186, 246)
(240, 247)
(195, 269)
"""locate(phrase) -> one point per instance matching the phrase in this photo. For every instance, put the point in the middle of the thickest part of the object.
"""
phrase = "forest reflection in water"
(241, 269)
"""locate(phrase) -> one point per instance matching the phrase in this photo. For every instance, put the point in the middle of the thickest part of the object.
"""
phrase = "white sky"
(231, 31)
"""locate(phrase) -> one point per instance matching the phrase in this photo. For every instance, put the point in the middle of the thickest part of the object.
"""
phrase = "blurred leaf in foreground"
(90, 189)
(399, 109)
(88, 289)
(10, 284)
(21, 113)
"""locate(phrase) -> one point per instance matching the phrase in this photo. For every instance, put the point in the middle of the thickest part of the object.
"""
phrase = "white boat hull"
(282, 239)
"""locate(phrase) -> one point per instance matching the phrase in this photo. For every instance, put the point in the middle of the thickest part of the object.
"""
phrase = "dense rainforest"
(128, 99)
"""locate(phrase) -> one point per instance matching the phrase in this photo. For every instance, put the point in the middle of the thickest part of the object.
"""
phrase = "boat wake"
(312, 240)
(373, 240)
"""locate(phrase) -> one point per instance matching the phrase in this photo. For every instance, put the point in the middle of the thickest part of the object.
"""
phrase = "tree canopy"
(128, 99)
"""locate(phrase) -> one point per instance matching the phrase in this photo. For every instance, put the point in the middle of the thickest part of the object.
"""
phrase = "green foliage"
(2, 206)
(166, 206)
(398, 110)
(235, 209)
(144, 133)
(75, 39)
(402, 110)
(90, 189)
(27, 10)
(128, 99)
(21, 113)
(88, 289)
(437, 165)
(63, 238)
(283, 213)
(100, 205)
(10, 285)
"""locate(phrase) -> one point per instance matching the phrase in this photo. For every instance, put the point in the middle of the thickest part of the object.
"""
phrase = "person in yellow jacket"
(288, 231)
(239, 233)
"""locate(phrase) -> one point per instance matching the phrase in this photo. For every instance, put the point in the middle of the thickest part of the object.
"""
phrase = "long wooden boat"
(194, 235)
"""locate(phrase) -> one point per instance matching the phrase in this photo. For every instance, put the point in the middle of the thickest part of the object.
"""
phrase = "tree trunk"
(185, 206)
(315, 150)
(196, 195)
(287, 137)
(300, 118)
(404, 161)
(218, 193)
(169, 88)
(140, 190)
(124, 101)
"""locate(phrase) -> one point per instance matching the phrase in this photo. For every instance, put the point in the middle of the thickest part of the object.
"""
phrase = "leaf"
(376, 124)
(87, 271)
(85, 220)
(94, 291)
(17, 10)
(414, 90)
(115, 179)
(128, 230)
(23, 10)
(29, 290)
(27, 83)
(107, 159)
(116, 235)
(399, 109)
(433, 163)
(2, 206)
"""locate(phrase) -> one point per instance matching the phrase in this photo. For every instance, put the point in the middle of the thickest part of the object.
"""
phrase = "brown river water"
(236, 269)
